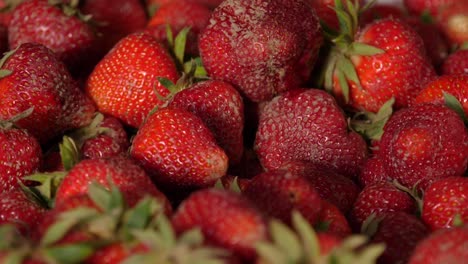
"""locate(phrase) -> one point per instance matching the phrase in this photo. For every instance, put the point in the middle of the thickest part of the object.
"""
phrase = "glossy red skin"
(336, 222)
(456, 63)
(453, 20)
(59, 104)
(131, 179)
(226, 219)
(17, 209)
(20, 155)
(308, 125)
(423, 143)
(373, 171)
(68, 36)
(418, 7)
(442, 246)
(278, 192)
(381, 198)
(400, 232)
(456, 85)
(221, 108)
(180, 14)
(443, 200)
(179, 151)
(262, 47)
(124, 83)
(400, 72)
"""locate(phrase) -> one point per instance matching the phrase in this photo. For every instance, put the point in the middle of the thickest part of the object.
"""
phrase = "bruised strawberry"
(262, 47)
(307, 125)
(35, 78)
(124, 83)
(456, 63)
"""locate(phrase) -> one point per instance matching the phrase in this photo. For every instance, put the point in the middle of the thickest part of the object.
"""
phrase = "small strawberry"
(34, 78)
(308, 125)
(124, 83)
(264, 48)
(433, 7)
(227, 219)
(442, 246)
(176, 148)
(444, 202)
(456, 63)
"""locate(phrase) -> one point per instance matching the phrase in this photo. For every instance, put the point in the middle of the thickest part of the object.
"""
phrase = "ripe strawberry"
(380, 11)
(132, 180)
(179, 15)
(445, 200)
(209, 3)
(380, 198)
(58, 103)
(278, 192)
(456, 63)
(433, 7)
(117, 252)
(400, 232)
(65, 34)
(124, 83)
(456, 85)
(225, 218)
(176, 148)
(264, 48)
(423, 143)
(307, 125)
(372, 172)
(442, 246)
(452, 19)
(332, 221)
(326, 13)
(221, 108)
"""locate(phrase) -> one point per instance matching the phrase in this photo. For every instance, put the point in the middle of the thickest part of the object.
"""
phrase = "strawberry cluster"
(235, 131)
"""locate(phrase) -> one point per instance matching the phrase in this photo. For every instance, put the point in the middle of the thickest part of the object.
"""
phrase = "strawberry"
(400, 232)
(452, 19)
(332, 221)
(227, 219)
(178, 151)
(380, 198)
(115, 253)
(308, 125)
(60, 30)
(58, 103)
(444, 201)
(456, 63)
(433, 7)
(434, 91)
(373, 171)
(263, 48)
(124, 83)
(442, 246)
(221, 108)
(179, 15)
(326, 13)
(209, 3)
(423, 143)
(379, 11)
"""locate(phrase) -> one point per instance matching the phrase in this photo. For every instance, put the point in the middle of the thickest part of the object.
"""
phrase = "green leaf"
(343, 84)
(166, 231)
(453, 103)
(70, 254)
(180, 43)
(307, 235)
(347, 67)
(15, 257)
(286, 240)
(100, 196)
(358, 48)
(4, 73)
(371, 253)
(69, 153)
(169, 35)
(6, 56)
(193, 237)
(270, 254)
(140, 215)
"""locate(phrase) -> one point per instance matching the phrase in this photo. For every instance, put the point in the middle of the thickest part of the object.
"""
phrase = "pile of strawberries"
(236, 131)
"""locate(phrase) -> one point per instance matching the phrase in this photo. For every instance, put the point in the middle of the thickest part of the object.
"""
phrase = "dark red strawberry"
(433, 7)
(225, 218)
(262, 47)
(452, 19)
(442, 246)
(332, 221)
(307, 125)
(221, 108)
(37, 79)
(373, 171)
(456, 63)
(178, 151)
(326, 13)
(445, 202)
(124, 83)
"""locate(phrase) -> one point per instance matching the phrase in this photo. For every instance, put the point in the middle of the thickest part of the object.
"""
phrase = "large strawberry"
(35, 78)
(307, 125)
(262, 47)
(176, 148)
(124, 83)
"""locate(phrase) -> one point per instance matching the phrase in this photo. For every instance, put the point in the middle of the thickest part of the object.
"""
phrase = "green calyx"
(16, 247)
(453, 103)
(70, 9)
(371, 125)
(10, 123)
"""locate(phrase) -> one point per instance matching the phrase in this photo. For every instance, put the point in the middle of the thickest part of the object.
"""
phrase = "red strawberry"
(452, 19)
(456, 63)
(58, 103)
(221, 108)
(65, 34)
(115, 253)
(423, 143)
(333, 221)
(124, 83)
(178, 150)
(278, 192)
(418, 7)
(326, 13)
(178, 15)
(328, 242)
(209, 3)
(456, 85)
(307, 125)
(262, 47)
(380, 11)
(373, 171)
(442, 246)
(380, 198)
(445, 200)
(400, 232)
(225, 218)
